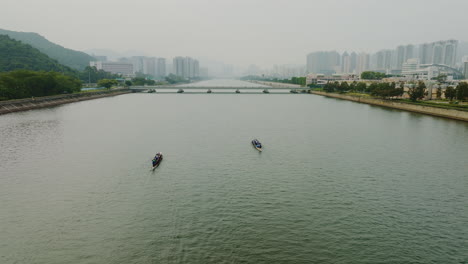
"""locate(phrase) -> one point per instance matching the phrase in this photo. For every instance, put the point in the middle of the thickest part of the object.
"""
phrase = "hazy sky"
(239, 32)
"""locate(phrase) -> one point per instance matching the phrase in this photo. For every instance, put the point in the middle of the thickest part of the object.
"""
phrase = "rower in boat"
(157, 160)
(257, 144)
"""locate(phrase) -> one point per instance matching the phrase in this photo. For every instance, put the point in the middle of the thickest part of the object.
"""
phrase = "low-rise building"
(322, 79)
(125, 69)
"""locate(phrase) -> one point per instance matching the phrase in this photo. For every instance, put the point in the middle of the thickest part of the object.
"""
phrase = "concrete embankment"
(48, 101)
(447, 113)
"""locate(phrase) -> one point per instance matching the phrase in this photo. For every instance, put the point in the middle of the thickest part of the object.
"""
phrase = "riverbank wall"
(434, 111)
(11, 106)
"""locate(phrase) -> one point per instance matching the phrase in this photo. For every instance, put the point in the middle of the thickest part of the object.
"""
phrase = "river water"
(337, 182)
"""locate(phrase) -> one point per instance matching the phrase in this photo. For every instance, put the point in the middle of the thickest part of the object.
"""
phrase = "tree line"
(294, 80)
(383, 90)
(370, 75)
(24, 83)
(460, 92)
(391, 90)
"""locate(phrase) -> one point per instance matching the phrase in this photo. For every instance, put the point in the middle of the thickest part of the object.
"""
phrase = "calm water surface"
(338, 182)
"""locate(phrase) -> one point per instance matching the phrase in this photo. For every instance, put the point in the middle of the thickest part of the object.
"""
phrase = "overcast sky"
(240, 32)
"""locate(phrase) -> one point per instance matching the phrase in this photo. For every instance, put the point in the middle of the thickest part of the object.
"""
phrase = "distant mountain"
(15, 55)
(71, 58)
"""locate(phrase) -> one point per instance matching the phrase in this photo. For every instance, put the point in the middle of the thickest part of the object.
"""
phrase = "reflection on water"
(337, 182)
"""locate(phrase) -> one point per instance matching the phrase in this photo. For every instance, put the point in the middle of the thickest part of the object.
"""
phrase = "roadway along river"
(338, 182)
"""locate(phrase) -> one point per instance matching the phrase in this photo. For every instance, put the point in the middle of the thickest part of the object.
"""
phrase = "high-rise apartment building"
(383, 60)
(345, 63)
(465, 69)
(409, 52)
(363, 62)
(149, 66)
(440, 52)
(400, 57)
(186, 67)
(160, 68)
(401, 54)
(138, 63)
(325, 62)
(353, 65)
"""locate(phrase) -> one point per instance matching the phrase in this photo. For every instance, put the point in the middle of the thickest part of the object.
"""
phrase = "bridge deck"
(162, 87)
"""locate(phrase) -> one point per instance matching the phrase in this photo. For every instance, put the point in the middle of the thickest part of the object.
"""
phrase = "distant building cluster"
(152, 67)
(429, 60)
(186, 67)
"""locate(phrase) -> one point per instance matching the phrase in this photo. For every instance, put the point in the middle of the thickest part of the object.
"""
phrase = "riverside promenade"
(11, 106)
(428, 110)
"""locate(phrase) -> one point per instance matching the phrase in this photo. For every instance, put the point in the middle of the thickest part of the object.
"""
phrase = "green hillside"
(71, 58)
(15, 55)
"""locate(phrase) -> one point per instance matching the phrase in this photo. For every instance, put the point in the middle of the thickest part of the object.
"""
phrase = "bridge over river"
(219, 89)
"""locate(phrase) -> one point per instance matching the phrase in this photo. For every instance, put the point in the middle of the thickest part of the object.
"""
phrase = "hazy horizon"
(237, 32)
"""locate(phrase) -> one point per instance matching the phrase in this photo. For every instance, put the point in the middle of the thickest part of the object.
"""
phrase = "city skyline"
(241, 32)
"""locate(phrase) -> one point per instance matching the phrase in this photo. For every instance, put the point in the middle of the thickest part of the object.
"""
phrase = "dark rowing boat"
(157, 160)
(257, 145)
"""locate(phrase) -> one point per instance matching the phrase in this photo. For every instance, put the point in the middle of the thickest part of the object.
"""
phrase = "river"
(337, 182)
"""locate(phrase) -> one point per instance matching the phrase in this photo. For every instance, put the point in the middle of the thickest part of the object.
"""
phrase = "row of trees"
(460, 92)
(93, 75)
(370, 75)
(294, 80)
(389, 90)
(23, 84)
(384, 90)
(174, 79)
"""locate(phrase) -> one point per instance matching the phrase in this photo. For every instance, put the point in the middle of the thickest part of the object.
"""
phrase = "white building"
(113, 67)
(410, 67)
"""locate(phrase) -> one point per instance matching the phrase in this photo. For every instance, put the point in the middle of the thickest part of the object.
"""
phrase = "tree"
(128, 83)
(352, 86)
(372, 87)
(439, 92)
(361, 86)
(24, 84)
(370, 75)
(93, 75)
(107, 83)
(462, 91)
(329, 87)
(417, 92)
(343, 87)
(139, 81)
(450, 93)
(173, 79)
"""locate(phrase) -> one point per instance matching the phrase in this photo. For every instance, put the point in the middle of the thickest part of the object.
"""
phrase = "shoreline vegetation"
(422, 107)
